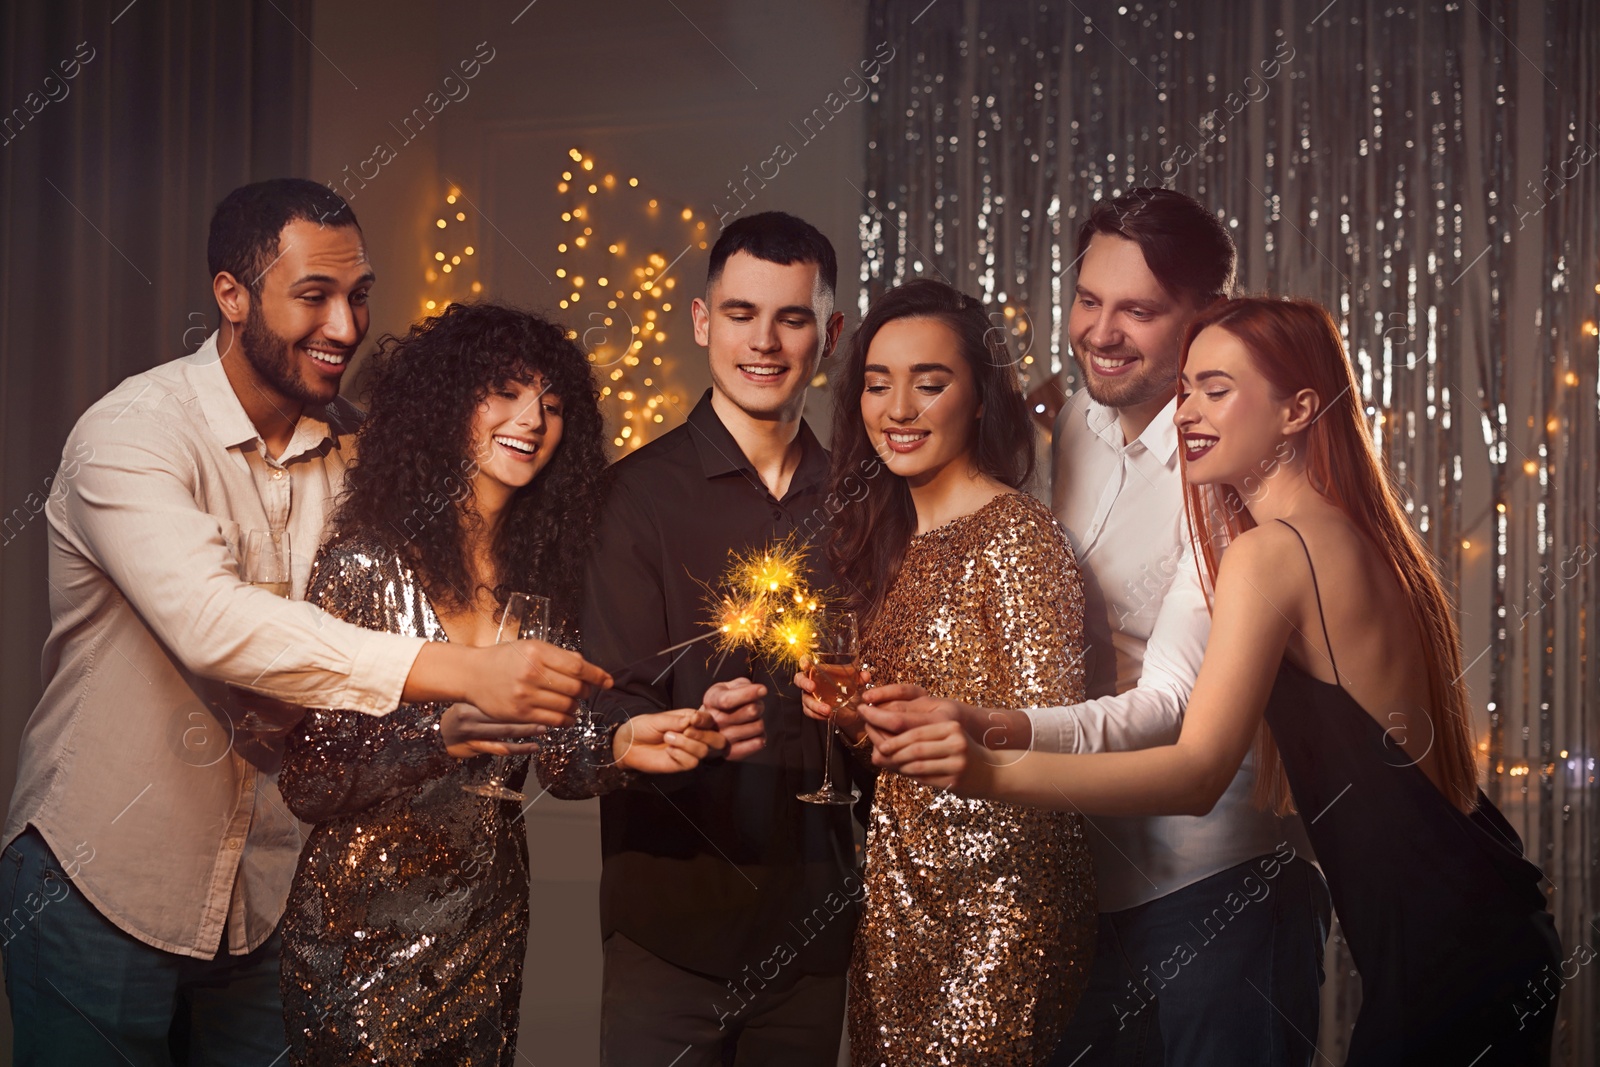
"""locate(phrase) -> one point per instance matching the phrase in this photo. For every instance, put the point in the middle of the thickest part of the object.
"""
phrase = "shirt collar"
(720, 454)
(226, 416)
(1160, 438)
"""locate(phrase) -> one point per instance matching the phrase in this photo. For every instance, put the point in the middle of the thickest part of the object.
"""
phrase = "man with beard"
(1212, 927)
(148, 853)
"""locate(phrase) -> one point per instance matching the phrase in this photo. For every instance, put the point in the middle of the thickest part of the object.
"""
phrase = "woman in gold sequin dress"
(979, 917)
(407, 923)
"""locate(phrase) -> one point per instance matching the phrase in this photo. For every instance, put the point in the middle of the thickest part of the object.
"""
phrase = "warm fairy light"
(1466, 544)
(574, 153)
(1501, 508)
(588, 164)
(1530, 467)
(430, 305)
(687, 214)
(441, 224)
(1572, 377)
(439, 256)
(1591, 329)
(1552, 424)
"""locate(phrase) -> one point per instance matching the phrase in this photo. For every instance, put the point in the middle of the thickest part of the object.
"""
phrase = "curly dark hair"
(867, 541)
(411, 483)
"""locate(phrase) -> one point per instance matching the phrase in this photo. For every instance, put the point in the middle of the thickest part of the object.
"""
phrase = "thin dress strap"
(1315, 588)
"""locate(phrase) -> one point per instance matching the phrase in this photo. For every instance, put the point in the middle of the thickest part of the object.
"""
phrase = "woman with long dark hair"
(978, 919)
(479, 475)
(1334, 650)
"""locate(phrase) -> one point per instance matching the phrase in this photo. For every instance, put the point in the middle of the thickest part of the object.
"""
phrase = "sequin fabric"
(979, 921)
(407, 923)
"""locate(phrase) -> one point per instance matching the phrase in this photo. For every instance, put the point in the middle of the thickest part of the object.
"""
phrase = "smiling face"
(766, 327)
(1126, 330)
(1231, 422)
(515, 433)
(919, 400)
(311, 313)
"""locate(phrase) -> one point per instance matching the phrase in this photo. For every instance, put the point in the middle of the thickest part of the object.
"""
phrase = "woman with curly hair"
(479, 475)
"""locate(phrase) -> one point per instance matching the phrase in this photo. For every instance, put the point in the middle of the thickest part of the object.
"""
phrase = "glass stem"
(827, 756)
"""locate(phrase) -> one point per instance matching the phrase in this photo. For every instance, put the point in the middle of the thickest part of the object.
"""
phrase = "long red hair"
(1295, 345)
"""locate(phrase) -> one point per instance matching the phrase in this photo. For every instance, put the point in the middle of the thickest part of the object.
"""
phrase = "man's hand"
(468, 732)
(735, 707)
(667, 741)
(997, 728)
(532, 682)
(938, 753)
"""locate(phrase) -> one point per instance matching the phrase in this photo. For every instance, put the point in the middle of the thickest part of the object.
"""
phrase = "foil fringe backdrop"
(1428, 171)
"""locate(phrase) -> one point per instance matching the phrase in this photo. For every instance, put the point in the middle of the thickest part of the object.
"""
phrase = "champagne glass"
(525, 617)
(836, 672)
(264, 562)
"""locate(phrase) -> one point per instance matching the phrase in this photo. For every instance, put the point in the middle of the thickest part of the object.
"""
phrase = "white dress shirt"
(133, 767)
(1145, 630)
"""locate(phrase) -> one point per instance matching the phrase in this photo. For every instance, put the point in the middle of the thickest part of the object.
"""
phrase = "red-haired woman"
(1334, 649)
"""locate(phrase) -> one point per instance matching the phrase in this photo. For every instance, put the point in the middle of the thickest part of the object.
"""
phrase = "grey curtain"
(1429, 172)
(123, 125)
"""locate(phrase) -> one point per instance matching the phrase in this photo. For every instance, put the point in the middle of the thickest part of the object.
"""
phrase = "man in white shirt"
(148, 852)
(1211, 927)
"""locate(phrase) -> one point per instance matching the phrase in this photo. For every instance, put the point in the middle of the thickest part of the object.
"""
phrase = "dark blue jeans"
(84, 993)
(1226, 971)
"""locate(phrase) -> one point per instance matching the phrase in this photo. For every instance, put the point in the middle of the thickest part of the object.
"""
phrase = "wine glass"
(836, 672)
(264, 562)
(526, 617)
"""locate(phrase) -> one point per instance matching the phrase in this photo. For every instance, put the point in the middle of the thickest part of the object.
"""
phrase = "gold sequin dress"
(979, 920)
(407, 922)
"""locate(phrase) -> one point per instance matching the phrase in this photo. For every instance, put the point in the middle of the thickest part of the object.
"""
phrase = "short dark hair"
(246, 225)
(1185, 246)
(776, 237)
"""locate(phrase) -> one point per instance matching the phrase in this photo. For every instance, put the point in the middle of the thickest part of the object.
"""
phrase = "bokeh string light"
(450, 269)
(620, 258)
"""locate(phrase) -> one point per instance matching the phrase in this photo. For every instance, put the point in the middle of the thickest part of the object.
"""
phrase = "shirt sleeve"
(132, 509)
(1151, 713)
(338, 763)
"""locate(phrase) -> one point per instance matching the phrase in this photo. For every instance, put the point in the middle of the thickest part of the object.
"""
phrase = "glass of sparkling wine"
(526, 617)
(836, 672)
(264, 562)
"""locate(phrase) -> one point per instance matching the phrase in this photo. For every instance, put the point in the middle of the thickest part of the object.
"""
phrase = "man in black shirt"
(727, 905)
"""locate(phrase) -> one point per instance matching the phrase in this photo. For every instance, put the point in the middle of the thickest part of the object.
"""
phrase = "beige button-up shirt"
(134, 767)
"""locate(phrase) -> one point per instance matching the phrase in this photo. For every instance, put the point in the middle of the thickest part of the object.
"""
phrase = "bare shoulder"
(1268, 557)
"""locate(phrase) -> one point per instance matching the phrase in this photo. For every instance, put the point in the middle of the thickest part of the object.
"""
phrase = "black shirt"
(718, 869)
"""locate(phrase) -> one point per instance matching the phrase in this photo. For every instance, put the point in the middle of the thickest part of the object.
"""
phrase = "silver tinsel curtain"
(1428, 171)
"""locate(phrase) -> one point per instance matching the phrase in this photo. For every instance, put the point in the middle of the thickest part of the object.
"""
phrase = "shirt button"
(233, 844)
(277, 474)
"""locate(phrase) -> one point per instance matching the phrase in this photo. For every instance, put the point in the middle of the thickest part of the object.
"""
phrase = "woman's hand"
(667, 742)
(847, 719)
(938, 753)
(736, 708)
(468, 732)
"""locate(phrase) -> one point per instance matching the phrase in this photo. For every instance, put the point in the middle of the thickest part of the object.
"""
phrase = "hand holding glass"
(836, 672)
(526, 617)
